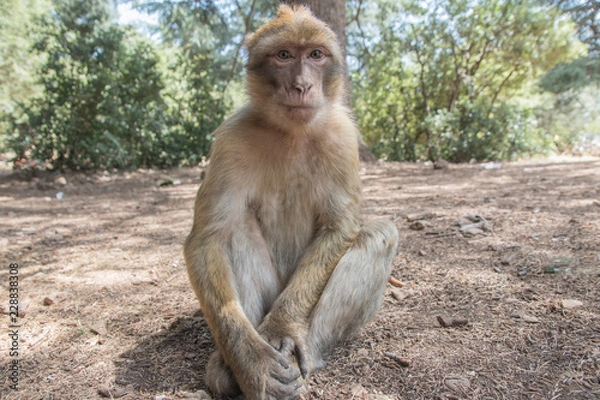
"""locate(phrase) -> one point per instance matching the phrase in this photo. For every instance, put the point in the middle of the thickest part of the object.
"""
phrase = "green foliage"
(438, 80)
(203, 42)
(442, 78)
(109, 99)
(586, 15)
(196, 105)
(471, 131)
(572, 113)
(17, 65)
(571, 118)
(572, 76)
(101, 103)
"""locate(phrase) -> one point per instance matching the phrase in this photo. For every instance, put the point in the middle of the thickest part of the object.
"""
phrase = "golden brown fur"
(276, 256)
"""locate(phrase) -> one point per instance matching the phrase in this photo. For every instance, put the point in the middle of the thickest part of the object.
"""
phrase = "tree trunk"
(333, 12)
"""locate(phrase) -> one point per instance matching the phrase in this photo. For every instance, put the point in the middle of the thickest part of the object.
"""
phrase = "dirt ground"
(501, 265)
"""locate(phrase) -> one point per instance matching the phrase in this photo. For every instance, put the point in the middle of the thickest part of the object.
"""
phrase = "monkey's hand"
(289, 338)
(263, 373)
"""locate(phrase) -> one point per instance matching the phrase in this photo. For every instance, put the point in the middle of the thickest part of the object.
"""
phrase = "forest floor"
(501, 265)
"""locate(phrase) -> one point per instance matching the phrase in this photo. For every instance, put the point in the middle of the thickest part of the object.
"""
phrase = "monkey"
(276, 255)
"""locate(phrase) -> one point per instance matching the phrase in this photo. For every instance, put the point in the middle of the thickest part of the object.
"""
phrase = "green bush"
(473, 131)
(105, 101)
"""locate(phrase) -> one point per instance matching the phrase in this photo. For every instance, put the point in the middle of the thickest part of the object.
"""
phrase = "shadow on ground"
(172, 360)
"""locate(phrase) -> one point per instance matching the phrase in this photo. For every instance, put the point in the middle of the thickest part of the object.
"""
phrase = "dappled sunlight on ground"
(107, 253)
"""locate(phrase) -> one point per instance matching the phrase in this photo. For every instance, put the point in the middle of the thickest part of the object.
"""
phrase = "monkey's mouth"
(298, 107)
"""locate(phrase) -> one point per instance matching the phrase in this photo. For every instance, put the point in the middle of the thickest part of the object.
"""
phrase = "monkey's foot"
(219, 377)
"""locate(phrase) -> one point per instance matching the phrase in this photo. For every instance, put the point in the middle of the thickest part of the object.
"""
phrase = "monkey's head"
(295, 66)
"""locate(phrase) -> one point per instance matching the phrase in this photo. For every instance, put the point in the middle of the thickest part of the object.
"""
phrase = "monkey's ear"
(249, 40)
(283, 9)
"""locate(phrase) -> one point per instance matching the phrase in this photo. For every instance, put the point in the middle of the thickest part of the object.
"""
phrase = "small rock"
(420, 216)
(471, 225)
(363, 353)
(458, 384)
(418, 225)
(48, 301)
(117, 391)
(98, 327)
(358, 390)
(490, 165)
(199, 395)
(399, 294)
(471, 231)
(60, 195)
(530, 319)
(570, 304)
(104, 390)
(449, 322)
(61, 180)
(55, 237)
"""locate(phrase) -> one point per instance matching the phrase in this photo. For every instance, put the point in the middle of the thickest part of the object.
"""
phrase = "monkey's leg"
(257, 285)
(354, 292)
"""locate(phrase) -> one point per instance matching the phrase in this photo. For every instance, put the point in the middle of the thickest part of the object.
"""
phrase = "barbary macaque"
(277, 258)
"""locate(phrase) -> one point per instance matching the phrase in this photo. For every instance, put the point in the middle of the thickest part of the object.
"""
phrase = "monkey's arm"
(289, 316)
(258, 367)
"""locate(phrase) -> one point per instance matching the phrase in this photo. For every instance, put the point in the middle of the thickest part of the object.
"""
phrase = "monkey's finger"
(279, 358)
(273, 342)
(285, 374)
(289, 390)
(300, 351)
(276, 343)
(287, 346)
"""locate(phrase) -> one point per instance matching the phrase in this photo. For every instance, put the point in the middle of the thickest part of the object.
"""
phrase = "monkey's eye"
(317, 54)
(284, 55)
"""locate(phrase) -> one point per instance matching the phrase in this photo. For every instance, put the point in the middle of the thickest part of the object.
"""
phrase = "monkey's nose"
(302, 88)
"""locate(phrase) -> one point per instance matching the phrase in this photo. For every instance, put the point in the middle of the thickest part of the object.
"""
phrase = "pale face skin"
(298, 73)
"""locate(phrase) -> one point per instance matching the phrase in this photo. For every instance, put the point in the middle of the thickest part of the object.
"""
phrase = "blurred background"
(126, 84)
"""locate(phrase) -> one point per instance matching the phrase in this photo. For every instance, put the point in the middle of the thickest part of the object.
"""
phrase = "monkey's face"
(293, 80)
(294, 67)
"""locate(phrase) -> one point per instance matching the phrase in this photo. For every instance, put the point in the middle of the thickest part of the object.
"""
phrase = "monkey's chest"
(288, 217)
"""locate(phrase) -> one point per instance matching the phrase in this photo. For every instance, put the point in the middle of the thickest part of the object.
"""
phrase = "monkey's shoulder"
(249, 142)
